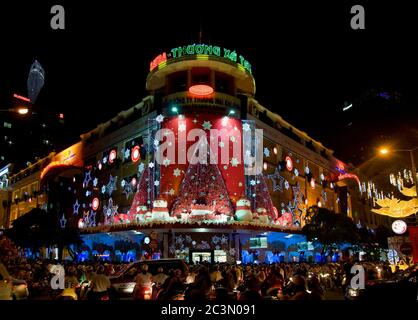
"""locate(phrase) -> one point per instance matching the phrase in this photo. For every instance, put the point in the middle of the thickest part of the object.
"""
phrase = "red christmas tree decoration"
(143, 195)
(262, 197)
(204, 185)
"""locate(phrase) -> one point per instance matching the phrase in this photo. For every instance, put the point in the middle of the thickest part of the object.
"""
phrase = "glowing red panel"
(112, 156)
(135, 154)
(17, 96)
(95, 204)
(289, 163)
(201, 90)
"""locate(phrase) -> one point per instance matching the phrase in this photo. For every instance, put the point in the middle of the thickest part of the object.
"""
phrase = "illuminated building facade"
(134, 179)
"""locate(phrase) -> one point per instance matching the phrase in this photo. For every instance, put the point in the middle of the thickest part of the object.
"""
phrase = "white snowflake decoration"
(160, 118)
(166, 162)
(296, 172)
(141, 167)
(156, 183)
(266, 152)
(246, 127)
(151, 165)
(176, 172)
(182, 127)
(252, 182)
(206, 125)
(234, 162)
(286, 185)
(127, 153)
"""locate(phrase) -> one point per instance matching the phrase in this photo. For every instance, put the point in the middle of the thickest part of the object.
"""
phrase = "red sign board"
(413, 238)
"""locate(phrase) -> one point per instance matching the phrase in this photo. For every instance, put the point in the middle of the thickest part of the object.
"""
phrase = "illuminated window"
(7, 125)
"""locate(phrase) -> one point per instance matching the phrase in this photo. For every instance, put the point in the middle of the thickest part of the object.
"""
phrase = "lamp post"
(385, 151)
(20, 110)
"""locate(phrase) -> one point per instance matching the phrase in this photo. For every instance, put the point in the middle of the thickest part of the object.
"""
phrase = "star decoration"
(182, 127)
(141, 167)
(128, 189)
(176, 172)
(277, 180)
(76, 207)
(324, 196)
(171, 192)
(266, 152)
(151, 165)
(233, 139)
(160, 118)
(110, 211)
(296, 172)
(166, 162)
(194, 121)
(286, 185)
(87, 178)
(122, 183)
(104, 189)
(252, 182)
(95, 182)
(104, 160)
(88, 193)
(234, 162)
(111, 186)
(246, 127)
(63, 221)
(156, 183)
(92, 219)
(206, 125)
(221, 144)
(127, 153)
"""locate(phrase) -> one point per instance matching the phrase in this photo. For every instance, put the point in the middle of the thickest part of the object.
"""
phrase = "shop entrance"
(201, 256)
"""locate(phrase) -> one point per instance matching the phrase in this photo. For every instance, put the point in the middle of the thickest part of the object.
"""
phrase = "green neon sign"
(203, 49)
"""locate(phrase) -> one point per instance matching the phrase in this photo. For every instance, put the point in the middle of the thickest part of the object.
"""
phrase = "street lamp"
(385, 151)
(20, 110)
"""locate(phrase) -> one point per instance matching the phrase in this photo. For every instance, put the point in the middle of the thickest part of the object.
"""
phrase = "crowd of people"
(294, 281)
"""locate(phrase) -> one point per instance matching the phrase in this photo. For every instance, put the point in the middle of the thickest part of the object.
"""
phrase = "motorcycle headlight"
(353, 292)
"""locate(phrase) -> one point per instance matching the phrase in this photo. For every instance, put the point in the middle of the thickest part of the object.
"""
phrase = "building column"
(165, 245)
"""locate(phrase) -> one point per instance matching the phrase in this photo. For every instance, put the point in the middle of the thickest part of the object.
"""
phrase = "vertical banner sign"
(413, 237)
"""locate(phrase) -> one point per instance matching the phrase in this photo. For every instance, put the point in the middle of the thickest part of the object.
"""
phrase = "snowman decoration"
(243, 210)
(160, 210)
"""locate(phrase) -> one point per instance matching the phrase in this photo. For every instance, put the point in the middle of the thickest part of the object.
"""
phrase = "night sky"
(306, 61)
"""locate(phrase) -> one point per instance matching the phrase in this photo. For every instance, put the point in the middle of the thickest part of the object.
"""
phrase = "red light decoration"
(289, 163)
(17, 96)
(159, 59)
(112, 156)
(135, 154)
(133, 181)
(95, 204)
(201, 90)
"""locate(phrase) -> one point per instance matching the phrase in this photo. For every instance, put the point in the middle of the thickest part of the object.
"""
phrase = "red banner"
(413, 237)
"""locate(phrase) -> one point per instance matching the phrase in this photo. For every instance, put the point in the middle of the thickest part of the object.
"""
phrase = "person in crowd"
(100, 284)
(160, 277)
